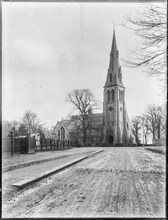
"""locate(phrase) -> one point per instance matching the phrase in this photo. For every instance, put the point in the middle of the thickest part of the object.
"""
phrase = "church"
(112, 127)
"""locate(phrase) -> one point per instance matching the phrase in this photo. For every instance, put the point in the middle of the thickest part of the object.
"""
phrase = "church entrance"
(110, 139)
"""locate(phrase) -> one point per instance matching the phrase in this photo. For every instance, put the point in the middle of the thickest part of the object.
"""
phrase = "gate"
(24, 144)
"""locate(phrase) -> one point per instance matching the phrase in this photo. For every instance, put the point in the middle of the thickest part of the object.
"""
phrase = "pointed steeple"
(114, 44)
(114, 75)
(114, 62)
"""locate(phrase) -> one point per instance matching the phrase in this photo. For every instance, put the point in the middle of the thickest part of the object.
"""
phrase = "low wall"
(6, 144)
(159, 142)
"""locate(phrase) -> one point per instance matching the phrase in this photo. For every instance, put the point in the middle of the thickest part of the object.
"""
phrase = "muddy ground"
(119, 182)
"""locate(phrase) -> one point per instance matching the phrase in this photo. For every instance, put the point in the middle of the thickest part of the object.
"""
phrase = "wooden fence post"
(28, 141)
(12, 143)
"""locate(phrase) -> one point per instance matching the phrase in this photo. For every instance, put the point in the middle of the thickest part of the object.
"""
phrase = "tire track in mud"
(139, 209)
(148, 202)
(154, 201)
(59, 193)
(105, 206)
(42, 193)
(109, 205)
(119, 187)
(64, 192)
(78, 194)
(96, 181)
(152, 180)
(139, 199)
(95, 175)
(83, 207)
(90, 205)
(123, 203)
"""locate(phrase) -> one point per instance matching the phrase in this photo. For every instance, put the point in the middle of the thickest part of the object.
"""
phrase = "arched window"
(110, 77)
(108, 95)
(110, 114)
(119, 77)
(122, 96)
(113, 94)
(62, 133)
(117, 53)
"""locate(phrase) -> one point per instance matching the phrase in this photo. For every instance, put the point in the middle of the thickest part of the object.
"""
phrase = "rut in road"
(117, 182)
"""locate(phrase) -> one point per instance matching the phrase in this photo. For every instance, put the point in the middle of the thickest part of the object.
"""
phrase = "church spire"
(114, 44)
(114, 53)
(114, 74)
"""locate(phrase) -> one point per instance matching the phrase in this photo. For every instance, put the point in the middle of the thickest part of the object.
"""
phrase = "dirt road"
(118, 182)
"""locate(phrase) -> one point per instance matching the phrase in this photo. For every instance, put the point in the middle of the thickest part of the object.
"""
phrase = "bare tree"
(136, 128)
(145, 128)
(9, 126)
(84, 103)
(31, 123)
(150, 25)
(155, 116)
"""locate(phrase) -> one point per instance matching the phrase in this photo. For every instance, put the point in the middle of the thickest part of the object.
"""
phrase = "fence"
(28, 144)
(53, 144)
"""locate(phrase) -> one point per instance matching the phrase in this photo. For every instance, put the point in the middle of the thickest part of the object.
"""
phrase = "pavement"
(156, 149)
(8, 160)
(25, 169)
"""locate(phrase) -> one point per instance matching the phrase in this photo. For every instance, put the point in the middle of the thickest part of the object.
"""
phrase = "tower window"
(110, 77)
(117, 53)
(113, 94)
(108, 95)
(121, 95)
(119, 77)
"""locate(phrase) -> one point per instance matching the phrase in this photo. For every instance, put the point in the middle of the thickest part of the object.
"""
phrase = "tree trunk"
(153, 134)
(158, 133)
(84, 137)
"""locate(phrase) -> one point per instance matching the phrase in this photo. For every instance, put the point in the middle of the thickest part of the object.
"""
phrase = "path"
(118, 182)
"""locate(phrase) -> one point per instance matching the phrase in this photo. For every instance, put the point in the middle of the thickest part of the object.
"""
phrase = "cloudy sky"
(49, 49)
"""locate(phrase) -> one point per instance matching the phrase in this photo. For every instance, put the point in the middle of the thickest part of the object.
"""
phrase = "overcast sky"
(49, 49)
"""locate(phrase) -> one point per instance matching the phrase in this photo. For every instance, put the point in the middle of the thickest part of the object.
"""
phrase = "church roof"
(71, 124)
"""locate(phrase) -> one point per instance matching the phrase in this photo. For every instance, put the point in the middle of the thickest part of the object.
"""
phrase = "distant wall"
(159, 142)
(6, 144)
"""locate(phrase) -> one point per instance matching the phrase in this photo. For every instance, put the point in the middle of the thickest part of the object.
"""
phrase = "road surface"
(120, 182)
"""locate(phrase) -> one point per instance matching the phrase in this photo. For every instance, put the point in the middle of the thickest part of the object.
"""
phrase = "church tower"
(116, 128)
